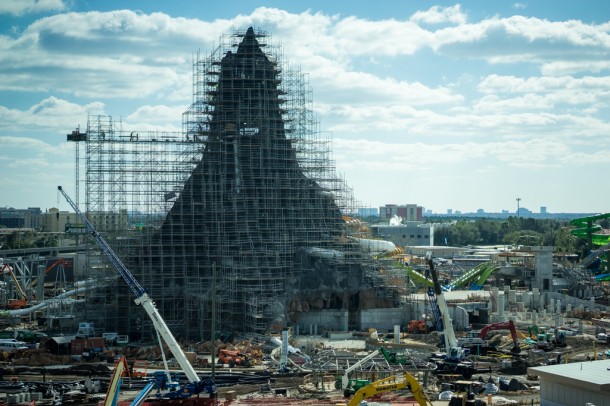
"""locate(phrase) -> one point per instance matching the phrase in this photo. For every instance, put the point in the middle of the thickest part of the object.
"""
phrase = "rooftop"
(590, 375)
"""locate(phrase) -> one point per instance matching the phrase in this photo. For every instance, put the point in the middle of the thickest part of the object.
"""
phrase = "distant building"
(21, 218)
(408, 212)
(480, 211)
(406, 235)
(542, 209)
(59, 221)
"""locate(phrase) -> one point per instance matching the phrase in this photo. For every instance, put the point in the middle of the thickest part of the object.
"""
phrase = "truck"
(165, 386)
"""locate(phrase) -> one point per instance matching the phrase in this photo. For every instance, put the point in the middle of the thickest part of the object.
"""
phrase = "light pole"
(518, 200)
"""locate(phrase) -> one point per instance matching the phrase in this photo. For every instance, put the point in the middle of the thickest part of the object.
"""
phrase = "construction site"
(241, 214)
(244, 250)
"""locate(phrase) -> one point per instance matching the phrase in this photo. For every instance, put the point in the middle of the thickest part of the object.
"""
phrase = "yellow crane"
(392, 383)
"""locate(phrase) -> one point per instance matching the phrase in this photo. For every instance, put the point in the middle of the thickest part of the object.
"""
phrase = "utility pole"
(518, 200)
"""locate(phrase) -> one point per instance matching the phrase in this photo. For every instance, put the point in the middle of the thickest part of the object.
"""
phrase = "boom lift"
(392, 383)
(195, 384)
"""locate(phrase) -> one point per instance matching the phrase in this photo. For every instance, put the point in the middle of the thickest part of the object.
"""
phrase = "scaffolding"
(241, 210)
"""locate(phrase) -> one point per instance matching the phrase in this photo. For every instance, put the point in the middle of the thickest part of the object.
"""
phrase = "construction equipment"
(453, 360)
(353, 385)
(417, 326)
(503, 325)
(195, 385)
(232, 358)
(121, 369)
(15, 303)
(392, 383)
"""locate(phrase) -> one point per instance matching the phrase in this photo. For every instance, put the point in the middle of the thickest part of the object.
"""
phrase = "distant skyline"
(447, 105)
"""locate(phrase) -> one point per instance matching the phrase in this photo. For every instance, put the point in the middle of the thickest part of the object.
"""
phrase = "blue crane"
(195, 384)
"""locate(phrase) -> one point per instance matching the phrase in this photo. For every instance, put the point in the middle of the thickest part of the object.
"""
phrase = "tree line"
(511, 231)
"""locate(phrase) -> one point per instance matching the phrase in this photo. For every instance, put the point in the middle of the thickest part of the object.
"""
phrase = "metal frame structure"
(238, 212)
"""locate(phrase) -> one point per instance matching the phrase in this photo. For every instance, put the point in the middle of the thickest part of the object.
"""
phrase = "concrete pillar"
(536, 305)
(494, 301)
(520, 306)
(501, 306)
(396, 333)
(315, 329)
(311, 329)
(512, 297)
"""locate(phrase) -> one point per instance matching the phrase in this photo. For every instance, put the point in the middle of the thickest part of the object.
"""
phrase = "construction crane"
(392, 383)
(195, 384)
(455, 354)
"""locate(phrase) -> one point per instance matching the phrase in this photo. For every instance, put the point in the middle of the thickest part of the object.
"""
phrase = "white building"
(577, 383)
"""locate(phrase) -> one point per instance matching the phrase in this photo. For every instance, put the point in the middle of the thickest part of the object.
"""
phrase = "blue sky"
(448, 105)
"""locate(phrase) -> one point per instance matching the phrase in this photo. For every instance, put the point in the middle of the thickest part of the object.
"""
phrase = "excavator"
(392, 383)
(503, 325)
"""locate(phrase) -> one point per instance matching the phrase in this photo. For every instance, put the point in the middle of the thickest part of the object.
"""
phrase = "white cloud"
(50, 113)
(21, 7)
(439, 15)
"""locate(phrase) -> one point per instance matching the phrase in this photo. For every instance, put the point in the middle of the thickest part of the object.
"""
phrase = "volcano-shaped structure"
(254, 237)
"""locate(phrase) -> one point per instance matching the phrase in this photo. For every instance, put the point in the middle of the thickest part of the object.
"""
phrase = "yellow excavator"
(392, 383)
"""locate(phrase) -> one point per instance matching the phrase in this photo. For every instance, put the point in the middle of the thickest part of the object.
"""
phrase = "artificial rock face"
(250, 233)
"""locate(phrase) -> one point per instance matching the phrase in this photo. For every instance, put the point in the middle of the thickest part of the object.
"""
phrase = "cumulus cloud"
(50, 113)
(516, 93)
(21, 7)
(439, 15)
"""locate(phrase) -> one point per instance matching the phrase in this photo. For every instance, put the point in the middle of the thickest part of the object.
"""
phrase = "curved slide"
(418, 277)
(42, 305)
(587, 228)
(487, 270)
(475, 277)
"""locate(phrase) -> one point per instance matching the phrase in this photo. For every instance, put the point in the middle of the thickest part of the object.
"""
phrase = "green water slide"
(586, 228)
(487, 270)
(474, 277)
(418, 278)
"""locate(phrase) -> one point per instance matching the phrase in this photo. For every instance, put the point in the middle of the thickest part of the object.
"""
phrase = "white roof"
(590, 375)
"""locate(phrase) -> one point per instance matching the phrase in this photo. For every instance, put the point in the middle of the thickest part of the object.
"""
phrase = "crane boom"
(449, 335)
(142, 297)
